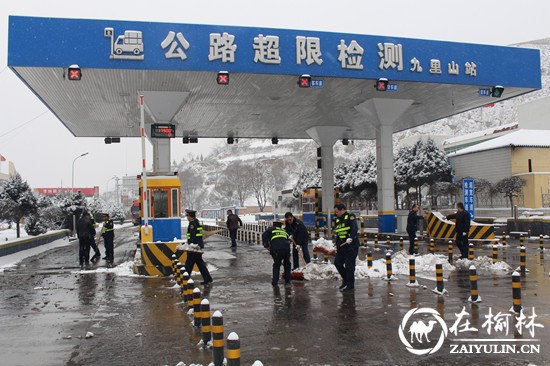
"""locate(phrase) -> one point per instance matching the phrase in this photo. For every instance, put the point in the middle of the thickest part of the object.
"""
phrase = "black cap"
(277, 224)
(190, 212)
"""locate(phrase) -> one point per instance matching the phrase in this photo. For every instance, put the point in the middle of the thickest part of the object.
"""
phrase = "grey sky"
(43, 150)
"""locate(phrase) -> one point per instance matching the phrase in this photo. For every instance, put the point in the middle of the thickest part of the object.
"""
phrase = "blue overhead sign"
(468, 193)
(54, 42)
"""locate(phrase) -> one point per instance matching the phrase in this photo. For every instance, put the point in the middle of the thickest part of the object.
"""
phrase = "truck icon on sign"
(126, 47)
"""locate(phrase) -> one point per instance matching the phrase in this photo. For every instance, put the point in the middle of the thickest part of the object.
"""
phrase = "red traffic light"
(304, 81)
(74, 72)
(381, 84)
(223, 78)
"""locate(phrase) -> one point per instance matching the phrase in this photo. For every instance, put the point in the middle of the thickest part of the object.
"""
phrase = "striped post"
(185, 285)
(440, 289)
(432, 246)
(521, 240)
(174, 262)
(400, 243)
(369, 259)
(388, 243)
(325, 258)
(315, 259)
(504, 239)
(471, 252)
(206, 329)
(541, 243)
(376, 242)
(495, 254)
(412, 273)
(197, 315)
(474, 296)
(233, 350)
(522, 259)
(362, 231)
(516, 293)
(190, 289)
(217, 338)
(177, 274)
(450, 251)
(388, 266)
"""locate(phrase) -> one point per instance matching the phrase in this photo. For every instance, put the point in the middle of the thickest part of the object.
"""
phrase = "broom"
(298, 275)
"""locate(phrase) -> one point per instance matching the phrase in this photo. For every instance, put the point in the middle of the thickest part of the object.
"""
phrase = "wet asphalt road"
(47, 307)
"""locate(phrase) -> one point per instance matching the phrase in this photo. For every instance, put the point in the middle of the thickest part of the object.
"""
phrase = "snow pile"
(189, 247)
(483, 263)
(324, 246)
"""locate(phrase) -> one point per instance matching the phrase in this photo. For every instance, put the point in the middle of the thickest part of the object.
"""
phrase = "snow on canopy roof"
(520, 138)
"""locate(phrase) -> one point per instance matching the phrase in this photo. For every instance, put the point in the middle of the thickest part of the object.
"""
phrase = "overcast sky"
(43, 150)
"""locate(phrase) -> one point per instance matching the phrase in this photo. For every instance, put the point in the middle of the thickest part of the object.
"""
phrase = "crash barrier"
(441, 228)
(156, 258)
(17, 245)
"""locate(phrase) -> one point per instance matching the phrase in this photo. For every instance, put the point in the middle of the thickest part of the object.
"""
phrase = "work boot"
(342, 286)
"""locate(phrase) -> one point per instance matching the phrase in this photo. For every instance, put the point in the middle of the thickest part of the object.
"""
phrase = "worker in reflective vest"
(347, 246)
(275, 238)
(194, 236)
(108, 234)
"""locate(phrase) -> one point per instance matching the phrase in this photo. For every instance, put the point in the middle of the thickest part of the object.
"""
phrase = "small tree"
(20, 201)
(34, 225)
(510, 187)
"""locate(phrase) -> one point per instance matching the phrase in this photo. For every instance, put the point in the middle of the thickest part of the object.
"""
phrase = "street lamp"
(72, 175)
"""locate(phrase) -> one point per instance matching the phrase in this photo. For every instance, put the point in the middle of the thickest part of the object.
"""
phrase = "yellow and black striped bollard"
(174, 262)
(432, 246)
(185, 281)
(516, 293)
(450, 251)
(376, 242)
(217, 338)
(522, 259)
(504, 240)
(541, 243)
(388, 266)
(180, 269)
(415, 245)
(206, 330)
(471, 254)
(400, 243)
(197, 315)
(369, 259)
(233, 350)
(315, 259)
(521, 240)
(495, 254)
(190, 289)
(412, 273)
(388, 243)
(474, 295)
(440, 287)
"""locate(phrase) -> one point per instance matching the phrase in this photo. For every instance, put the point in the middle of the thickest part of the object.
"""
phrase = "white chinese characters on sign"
(351, 56)
(391, 56)
(222, 47)
(471, 69)
(266, 49)
(308, 49)
(176, 50)
(415, 65)
(435, 66)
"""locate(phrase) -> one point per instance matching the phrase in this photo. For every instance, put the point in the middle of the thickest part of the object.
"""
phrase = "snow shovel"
(298, 275)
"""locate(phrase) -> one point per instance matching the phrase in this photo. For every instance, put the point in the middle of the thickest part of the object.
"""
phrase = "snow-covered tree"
(308, 178)
(21, 202)
(357, 175)
(261, 183)
(34, 225)
(70, 204)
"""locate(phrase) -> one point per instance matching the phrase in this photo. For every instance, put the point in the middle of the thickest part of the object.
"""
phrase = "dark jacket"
(462, 221)
(298, 231)
(346, 227)
(233, 222)
(275, 238)
(85, 229)
(194, 233)
(108, 229)
(412, 221)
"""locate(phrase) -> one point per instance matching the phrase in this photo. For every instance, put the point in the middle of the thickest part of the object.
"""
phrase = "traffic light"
(74, 72)
(381, 84)
(496, 91)
(304, 81)
(319, 163)
(223, 78)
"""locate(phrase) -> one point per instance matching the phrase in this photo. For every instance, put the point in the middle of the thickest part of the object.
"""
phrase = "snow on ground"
(8, 261)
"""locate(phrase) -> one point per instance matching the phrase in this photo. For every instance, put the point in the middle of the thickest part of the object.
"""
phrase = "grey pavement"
(47, 307)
